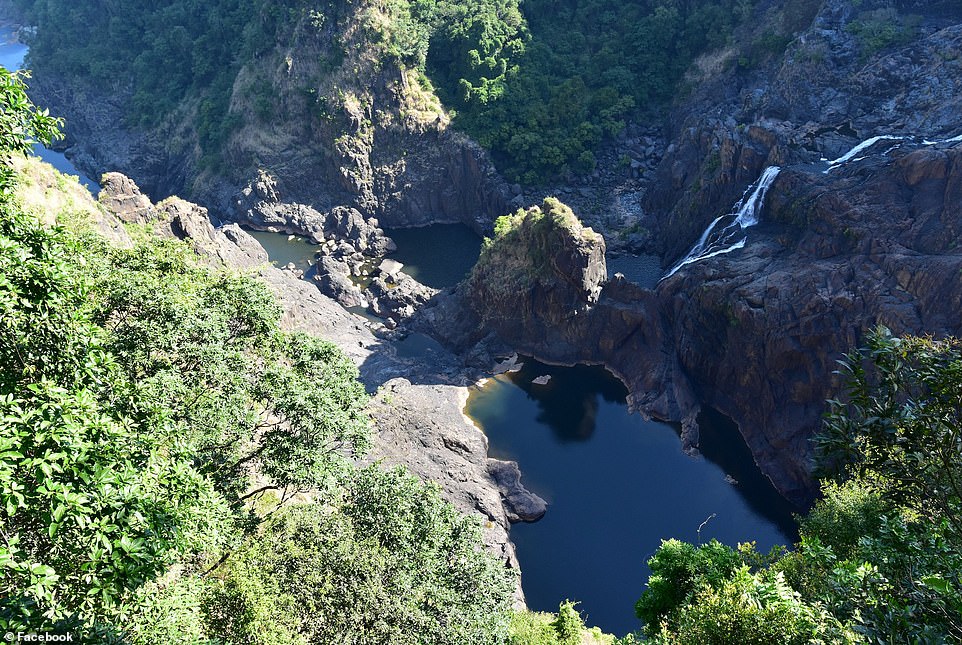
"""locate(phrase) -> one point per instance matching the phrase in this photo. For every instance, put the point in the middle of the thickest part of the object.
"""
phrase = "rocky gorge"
(416, 407)
(753, 333)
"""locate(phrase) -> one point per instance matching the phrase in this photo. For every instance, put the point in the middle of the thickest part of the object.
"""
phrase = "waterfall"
(868, 143)
(743, 214)
(955, 139)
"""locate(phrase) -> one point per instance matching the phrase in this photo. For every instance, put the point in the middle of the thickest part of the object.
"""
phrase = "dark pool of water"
(643, 270)
(419, 346)
(439, 255)
(616, 486)
(284, 249)
(12, 53)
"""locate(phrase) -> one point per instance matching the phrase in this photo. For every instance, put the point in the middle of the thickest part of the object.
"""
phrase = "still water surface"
(439, 255)
(283, 249)
(616, 485)
(12, 53)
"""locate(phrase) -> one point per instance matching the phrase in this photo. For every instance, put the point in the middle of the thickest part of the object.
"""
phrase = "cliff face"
(325, 109)
(756, 332)
(850, 72)
(759, 331)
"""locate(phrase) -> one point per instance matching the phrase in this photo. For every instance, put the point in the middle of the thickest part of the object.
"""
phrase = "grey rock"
(521, 504)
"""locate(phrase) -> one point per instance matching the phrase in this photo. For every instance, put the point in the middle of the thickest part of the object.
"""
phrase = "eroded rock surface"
(418, 425)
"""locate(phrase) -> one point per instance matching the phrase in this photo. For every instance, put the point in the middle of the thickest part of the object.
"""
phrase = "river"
(12, 53)
(616, 485)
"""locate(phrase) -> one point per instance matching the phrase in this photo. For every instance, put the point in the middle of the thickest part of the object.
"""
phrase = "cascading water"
(719, 237)
(868, 143)
(850, 155)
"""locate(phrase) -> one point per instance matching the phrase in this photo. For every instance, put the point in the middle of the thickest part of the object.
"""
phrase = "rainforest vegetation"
(176, 467)
(539, 83)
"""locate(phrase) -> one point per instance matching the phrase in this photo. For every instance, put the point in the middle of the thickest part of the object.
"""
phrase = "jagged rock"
(398, 299)
(333, 279)
(539, 277)
(260, 205)
(182, 220)
(390, 268)
(121, 196)
(363, 235)
(521, 504)
(423, 427)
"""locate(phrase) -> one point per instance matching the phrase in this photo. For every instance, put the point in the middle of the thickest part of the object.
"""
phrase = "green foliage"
(385, 560)
(94, 501)
(544, 94)
(880, 553)
(539, 83)
(753, 610)
(901, 426)
(879, 29)
(22, 124)
(677, 570)
(141, 397)
(564, 628)
(568, 624)
(162, 51)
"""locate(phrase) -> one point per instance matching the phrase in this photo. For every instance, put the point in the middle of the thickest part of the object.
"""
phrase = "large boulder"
(541, 272)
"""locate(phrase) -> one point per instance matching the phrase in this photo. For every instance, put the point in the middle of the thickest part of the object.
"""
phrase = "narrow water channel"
(616, 486)
(12, 53)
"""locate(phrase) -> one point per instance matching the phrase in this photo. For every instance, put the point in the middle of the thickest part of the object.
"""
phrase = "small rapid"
(852, 155)
(720, 236)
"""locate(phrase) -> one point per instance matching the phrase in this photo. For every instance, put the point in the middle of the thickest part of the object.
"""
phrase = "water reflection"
(568, 402)
(439, 255)
(616, 486)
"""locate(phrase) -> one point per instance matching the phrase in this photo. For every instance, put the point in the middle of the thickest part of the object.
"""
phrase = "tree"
(383, 560)
(140, 395)
(901, 425)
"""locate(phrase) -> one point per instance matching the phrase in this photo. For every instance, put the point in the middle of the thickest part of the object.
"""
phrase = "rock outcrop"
(520, 504)
(542, 270)
(755, 333)
(55, 198)
(418, 424)
(182, 220)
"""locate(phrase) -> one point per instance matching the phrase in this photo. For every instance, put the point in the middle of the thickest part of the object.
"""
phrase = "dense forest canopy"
(539, 83)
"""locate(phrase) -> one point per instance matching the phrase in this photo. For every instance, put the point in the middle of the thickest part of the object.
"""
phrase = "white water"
(868, 143)
(955, 139)
(743, 214)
